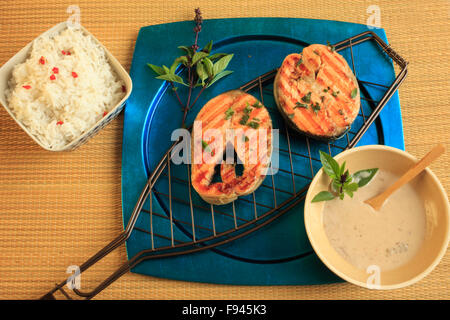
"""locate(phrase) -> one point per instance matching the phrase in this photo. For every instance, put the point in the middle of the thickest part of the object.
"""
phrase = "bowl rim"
(115, 64)
(341, 274)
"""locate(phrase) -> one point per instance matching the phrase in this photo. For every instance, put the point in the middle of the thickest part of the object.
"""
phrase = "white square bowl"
(22, 55)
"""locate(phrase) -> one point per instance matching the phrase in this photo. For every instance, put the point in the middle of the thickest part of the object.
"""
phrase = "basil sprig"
(342, 181)
(209, 67)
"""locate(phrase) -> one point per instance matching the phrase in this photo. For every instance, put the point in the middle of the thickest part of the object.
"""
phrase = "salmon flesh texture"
(317, 92)
(248, 120)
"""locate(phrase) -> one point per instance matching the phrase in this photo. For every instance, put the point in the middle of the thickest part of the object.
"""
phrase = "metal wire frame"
(240, 226)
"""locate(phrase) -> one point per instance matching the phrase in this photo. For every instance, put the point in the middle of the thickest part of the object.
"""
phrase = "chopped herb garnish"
(291, 115)
(354, 93)
(325, 90)
(307, 98)
(246, 139)
(253, 124)
(316, 52)
(330, 46)
(341, 112)
(315, 107)
(244, 119)
(322, 98)
(205, 146)
(256, 119)
(299, 62)
(257, 105)
(229, 113)
(301, 105)
(247, 109)
(335, 94)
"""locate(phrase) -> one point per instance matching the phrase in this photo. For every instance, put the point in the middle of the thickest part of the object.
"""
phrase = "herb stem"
(196, 98)
(196, 40)
(198, 27)
(194, 61)
(186, 108)
(176, 94)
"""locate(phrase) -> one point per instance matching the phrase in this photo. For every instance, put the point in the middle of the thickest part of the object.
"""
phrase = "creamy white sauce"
(387, 238)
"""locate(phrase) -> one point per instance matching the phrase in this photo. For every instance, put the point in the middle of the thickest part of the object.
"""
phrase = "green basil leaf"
(354, 93)
(216, 56)
(208, 47)
(208, 66)
(222, 64)
(350, 193)
(176, 63)
(172, 78)
(330, 166)
(342, 169)
(349, 177)
(198, 56)
(351, 187)
(173, 67)
(202, 75)
(219, 76)
(156, 69)
(336, 186)
(363, 177)
(167, 70)
(188, 50)
(323, 196)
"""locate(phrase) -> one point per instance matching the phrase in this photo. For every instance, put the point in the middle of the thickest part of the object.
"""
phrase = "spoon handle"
(415, 170)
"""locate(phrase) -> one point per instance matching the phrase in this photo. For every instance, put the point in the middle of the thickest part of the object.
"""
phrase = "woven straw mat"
(57, 209)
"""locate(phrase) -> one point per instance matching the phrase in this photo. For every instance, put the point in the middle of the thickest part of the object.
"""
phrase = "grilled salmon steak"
(317, 92)
(231, 129)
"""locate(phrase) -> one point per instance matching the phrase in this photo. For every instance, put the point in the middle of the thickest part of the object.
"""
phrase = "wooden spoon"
(377, 201)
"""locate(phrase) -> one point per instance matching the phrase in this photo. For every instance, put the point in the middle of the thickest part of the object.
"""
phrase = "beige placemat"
(59, 208)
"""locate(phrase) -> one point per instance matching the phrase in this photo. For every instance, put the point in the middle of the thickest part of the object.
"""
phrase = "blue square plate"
(280, 253)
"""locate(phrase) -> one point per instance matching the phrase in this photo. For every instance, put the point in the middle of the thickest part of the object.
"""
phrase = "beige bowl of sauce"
(389, 249)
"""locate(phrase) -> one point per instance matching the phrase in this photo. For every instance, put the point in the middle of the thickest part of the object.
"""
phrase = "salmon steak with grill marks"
(232, 129)
(317, 92)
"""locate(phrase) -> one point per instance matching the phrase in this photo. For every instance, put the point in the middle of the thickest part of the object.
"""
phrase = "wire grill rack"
(187, 224)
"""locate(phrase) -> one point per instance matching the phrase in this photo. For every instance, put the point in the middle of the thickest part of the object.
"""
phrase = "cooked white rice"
(57, 105)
